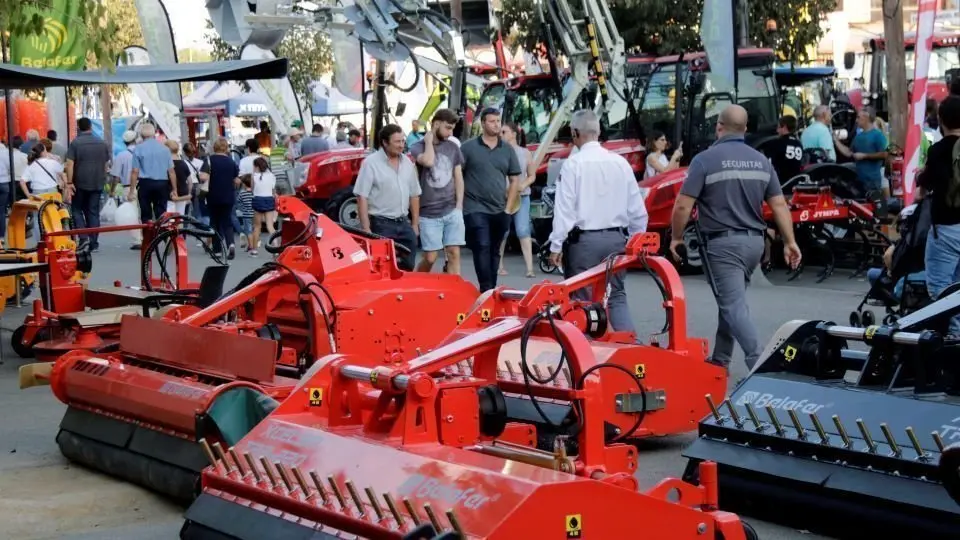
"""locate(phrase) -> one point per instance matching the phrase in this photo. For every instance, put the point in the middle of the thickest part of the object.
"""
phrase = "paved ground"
(46, 497)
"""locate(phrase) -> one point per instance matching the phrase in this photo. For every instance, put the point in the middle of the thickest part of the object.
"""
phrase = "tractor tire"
(344, 208)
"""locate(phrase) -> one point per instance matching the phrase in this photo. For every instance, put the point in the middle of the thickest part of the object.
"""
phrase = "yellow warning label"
(316, 397)
(374, 375)
(461, 317)
(640, 371)
(485, 315)
(574, 525)
(870, 331)
(790, 352)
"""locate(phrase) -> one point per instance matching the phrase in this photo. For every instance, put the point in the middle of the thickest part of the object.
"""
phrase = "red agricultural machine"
(429, 446)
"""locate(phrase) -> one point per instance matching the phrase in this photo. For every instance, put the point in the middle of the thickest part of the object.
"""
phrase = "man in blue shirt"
(819, 133)
(868, 150)
(152, 178)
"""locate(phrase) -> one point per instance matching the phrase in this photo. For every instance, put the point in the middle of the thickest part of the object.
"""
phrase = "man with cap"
(123, 164)
(729, 183)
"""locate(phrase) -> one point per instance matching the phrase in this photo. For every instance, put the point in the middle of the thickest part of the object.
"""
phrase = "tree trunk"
(896, 99)
(106, 109)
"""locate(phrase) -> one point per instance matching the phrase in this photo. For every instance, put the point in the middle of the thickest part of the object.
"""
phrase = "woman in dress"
(264, 200)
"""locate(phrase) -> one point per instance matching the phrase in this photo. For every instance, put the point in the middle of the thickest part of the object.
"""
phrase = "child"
(245, 212)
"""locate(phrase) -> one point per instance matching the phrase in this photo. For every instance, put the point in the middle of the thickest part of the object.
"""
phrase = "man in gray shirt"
(729, 183)
(315, 143)
(488, 162)
(387, 190)
(441, 204)
(88, 160)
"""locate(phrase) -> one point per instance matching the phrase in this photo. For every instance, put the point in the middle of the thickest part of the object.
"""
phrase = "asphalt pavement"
(42, 496)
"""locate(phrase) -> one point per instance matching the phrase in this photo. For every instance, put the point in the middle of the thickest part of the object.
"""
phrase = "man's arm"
(683, 207)
(636, 209)
(362, 189)
(565, 205)
(458, 186)
(783, 219)
(71, 159)
(415, 192)
(172, 175)
(428, 155)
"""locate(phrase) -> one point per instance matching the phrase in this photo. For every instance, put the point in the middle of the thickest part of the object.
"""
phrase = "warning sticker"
(316, 397)
(461, 317)
(574, 525)
(640, 371)
(485, 315)
(790, 353)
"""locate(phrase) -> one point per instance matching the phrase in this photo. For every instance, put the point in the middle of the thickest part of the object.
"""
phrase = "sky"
(189, 21)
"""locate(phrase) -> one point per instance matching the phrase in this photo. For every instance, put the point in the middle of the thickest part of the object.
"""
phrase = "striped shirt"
(245, 203)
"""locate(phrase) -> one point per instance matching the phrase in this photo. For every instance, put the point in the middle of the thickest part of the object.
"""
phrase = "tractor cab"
(803, 89)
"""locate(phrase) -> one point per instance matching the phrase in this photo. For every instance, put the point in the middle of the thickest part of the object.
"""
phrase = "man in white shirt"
(597, 197)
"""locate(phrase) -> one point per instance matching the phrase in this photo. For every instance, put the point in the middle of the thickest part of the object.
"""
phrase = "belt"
(393, 219)
(733, 232)
(610, 229)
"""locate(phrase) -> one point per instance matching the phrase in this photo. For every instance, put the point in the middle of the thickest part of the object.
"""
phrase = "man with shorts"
(439, 163)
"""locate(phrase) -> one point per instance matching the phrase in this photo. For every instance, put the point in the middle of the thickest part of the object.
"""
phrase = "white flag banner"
(277, 94)
(158, 39)
(166, 114)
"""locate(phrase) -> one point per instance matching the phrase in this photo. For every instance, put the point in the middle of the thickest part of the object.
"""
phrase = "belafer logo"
(52, 38)
(431, 488)
(786, 403)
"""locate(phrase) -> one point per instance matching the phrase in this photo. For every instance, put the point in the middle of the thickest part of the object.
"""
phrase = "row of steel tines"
(801, 431)
(278, 476)
(465, 367)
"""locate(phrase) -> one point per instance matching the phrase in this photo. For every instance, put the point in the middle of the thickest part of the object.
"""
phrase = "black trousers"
(221, 222)
(485, 232)
(152, 196)
(85, 207)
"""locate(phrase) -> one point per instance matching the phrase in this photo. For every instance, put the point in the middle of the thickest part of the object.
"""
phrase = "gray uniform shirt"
(90, 156)
(730, 181)
(485, 172)
(386, 189)
(439, 196)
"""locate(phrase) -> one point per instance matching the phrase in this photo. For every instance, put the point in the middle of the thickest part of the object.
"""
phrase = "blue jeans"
(942, 260)
(401, 233)
(85, 207)
(485, 232)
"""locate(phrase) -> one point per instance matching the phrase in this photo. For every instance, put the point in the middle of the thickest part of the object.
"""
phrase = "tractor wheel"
(16, 341)
(344, 208)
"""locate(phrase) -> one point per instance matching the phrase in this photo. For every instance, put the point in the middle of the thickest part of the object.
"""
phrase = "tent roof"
(328, 101)
(227, 95)
(13, 76)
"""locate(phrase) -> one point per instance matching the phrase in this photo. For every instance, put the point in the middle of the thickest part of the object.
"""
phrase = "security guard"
(729, 182)
(597, 198)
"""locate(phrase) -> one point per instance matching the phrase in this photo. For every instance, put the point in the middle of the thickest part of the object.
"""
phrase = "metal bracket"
(633, 403)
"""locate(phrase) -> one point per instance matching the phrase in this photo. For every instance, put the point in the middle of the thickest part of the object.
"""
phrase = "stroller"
(902, 289)
(541, 217)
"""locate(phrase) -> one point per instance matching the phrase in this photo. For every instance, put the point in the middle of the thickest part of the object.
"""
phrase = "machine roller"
(853, 441)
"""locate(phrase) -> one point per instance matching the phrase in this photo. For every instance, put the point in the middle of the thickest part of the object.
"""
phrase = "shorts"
(521, 219)
(246, 225)
(441, 232)
(264, 204)
(179, 207)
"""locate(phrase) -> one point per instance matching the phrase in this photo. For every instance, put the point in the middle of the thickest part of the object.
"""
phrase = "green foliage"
(307, 50)
(671, 26)
(24, 18)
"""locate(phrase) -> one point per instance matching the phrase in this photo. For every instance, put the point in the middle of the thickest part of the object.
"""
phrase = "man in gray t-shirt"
(729, 183)
(439, 163)
(488, 163)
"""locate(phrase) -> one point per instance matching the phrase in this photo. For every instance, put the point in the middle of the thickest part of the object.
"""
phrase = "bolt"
(370, 312)
(441, 296)
(701, 528)
(449, 418)
(399, 298)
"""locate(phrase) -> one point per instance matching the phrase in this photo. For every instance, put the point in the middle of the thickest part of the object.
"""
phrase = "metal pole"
(9, 108)
(363, 94)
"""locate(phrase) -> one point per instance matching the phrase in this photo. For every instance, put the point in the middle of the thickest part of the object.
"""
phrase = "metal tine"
(801, 432)
(733, 413)
(282, 473)
(253, 467)
(824, 438)
(317, 483)
(433, 517)
(356, 497)
(871, 446)
(236, 460)
(536, 371)
(713, 409)
(455, 523)
(775, 421)
(510, 369)
(392, 506)
(938, 441)
(301, 481)
(847, 443)
(753, 417)
(337, 493)
(268, 471)
(218, 450)
(568, 377)
(374, 502)
(921, 454)
(413, 512)
(890, 440)
(206, 450)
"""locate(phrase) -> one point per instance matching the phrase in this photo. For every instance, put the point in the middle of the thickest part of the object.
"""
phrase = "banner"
(926, 15)
(227, 17)
(277, 94)
(166, 114)
(60, 45)
(716, 29)
(158, 39)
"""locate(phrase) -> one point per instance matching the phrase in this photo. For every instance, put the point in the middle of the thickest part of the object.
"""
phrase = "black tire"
(868, 318)
(855, 319)
(546, 266)
(343, 208)
(16, 341)
(748, 532)
(692, 263)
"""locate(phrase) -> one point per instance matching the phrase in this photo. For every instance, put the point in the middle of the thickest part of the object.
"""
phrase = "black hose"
(525, 368)
(160, 247)
(643, 397)
(309, 231)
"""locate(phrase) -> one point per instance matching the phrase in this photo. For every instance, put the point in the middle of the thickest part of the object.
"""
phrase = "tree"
(896, 71)
(672, 26)
(307, 50)
(25, 18)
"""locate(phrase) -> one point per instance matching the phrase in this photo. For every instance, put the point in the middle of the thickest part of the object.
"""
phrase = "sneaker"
(135, 247)
(231, 253)
(252, 252)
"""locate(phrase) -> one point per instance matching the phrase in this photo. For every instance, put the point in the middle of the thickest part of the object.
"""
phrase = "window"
(658, 101)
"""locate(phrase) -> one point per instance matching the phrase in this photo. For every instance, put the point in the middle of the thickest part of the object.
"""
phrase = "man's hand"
(674, 244)
(131, 194)
(428, 138)
(556, 259)
(416, 228)
(791, 253)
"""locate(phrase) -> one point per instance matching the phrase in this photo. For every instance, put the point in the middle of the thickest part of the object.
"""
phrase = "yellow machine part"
(52, 213)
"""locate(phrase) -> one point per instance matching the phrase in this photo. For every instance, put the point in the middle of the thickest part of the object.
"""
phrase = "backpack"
(952, 196)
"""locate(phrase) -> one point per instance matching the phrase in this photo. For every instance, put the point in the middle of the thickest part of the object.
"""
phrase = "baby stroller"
(541, 217)
(902, 289)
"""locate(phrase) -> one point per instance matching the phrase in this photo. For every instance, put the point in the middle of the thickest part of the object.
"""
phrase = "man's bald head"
(734, 119)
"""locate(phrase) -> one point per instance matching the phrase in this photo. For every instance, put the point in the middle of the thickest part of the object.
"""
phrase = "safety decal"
(574, 525)
(374, 375)
(316, 397)
(485, 315)
(870, 331)
(640, 371)
(337, 252)
(790, 352)
(461, 317)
